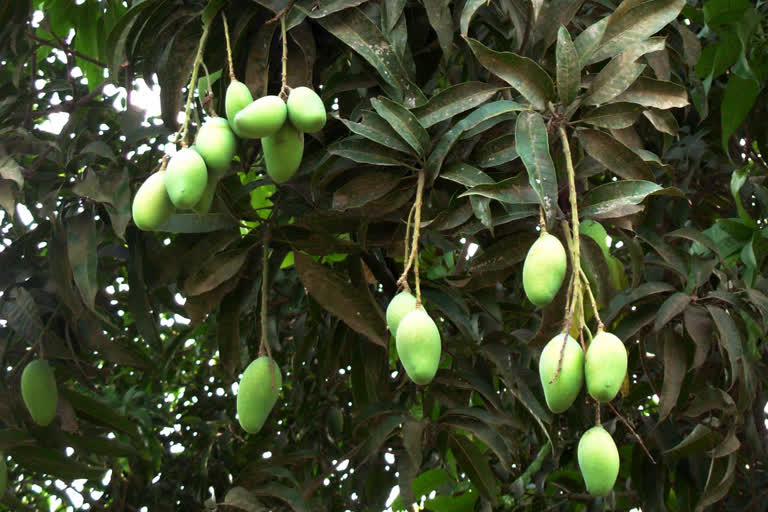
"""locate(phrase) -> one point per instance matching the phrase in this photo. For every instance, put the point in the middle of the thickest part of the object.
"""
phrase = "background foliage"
(664, 105)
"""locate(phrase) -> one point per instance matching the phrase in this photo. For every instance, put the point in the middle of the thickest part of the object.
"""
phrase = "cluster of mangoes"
(190, 178)
(416, 337)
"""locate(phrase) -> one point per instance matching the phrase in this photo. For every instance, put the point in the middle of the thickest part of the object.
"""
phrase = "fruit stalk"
(632, 430)
(264, 343)
(403, 281)
(209, 97)
(284, 89)
(592, 299)
(229, 47)
(411, 254)
(416, 229)
(192, 82)
(575, 246)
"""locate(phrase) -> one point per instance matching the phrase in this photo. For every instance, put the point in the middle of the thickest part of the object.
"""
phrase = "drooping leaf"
(670, 308)
(82, 251)
(699, 440)
(439, 16)
(532, 144)
(213, 272)
(675, 366)
(614, 155)
(616, 198)
(654, 93)
(730, 340)
(472, 461)
(469, 10)
(364, 188)
(740, 94)
(663, 121)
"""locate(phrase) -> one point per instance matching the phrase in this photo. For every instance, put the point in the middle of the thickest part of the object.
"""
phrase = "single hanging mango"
(418, 346)
(39, 391)
(562, 391)
(258, 393)
(262, 118)
(400, 305)
(151, 204)
(598, 461)
(605, 366)
(216, 143)
(283, 152)
(238, 97)
(544, 269)
(306, 110)
(185, 178)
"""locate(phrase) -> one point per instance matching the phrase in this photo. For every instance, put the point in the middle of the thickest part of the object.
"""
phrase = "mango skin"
(283, 152)
(185, 178)
(203, 206)
(257, 394)
(561, 393)
(238, 97)
(39, 391)
(216, 143)
(598, 461)
(544, 269)
(605, 366)
(151, 204)
(400, 305)
(306, 110)
(418, 346)
(262, 118)
(3, 474)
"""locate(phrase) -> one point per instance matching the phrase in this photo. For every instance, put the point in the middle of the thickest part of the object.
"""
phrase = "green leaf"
(675, 366)
(287, 494)
(475, 465)
(392, 11)
(216, 270)
(99, 445)
(470, 7)
(366, 152)
(99, 412)
(655, 93)
(404, 123)
(532, 145)
(616, 198)
(587, 42)
(633, 22)
(37, 459)
(315, 10)
(509, 191)
(722, 473)
(670, 308)
(118, 37)
(663, 121)
(730, 339)
(452, 101)
(364, 188)
(424, 484)
(701, 439)
(613, 116)
(375, 128)
(211, 10)
(439, 16)
(739, 97)
(194, 223)
(82, 247)
(489, 436)
(350, 304)
(614, 155)
(568, 69)
(522, 73)
(495, 152)
(378, 435)
(466, 175)
(698, 325)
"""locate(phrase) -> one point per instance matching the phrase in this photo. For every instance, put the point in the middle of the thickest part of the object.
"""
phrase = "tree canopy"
(465, 127)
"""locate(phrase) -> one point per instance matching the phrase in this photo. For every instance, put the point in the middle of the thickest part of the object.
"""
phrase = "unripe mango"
(605, 366)
(598, 461)
(400, 305)
(561, 393)
(283, 152)
(544, 269)
(185, 178)
(306, 110)
(418, 346)
(203, 206)
(3, 474)
(262, 118)
(238, 97)
(38, 389)
(216, 144)
(151, 204)
(257, 393)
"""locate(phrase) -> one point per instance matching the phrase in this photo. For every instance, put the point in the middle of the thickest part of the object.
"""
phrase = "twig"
(284, 89)
(209, 97)
(626, 424)
(403, 281)
(416, 232)
(281, 13)
(600, 325)
(560, 359)
(66, 49)
(229, 48)
(193, 84)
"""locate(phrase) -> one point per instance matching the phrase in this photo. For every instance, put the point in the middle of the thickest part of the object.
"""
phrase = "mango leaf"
(452, 101)
(404, 123)
(289, 495)
(424, 484)
(633, 22)
(532, 144)
(475, 465)
(82, 247)
(699, 440)
(698, 325)
(730, 339)
(522, 73)
(722, 473)
(350, 304)
(489, 436)
(194, 223)
(617, 198)
(614, 155)
(568, 69)
(663, 121)
(315, 11)
(670, 308)
(366, 152)
(375, 128)
(213, 272)
(509, 191)
(675, 366)
(740, 94)
(364, 188)
(551, 16)
(99, 445)
(496, 152)
(587, 42)
(466, 175)
(613, 115)
(654, 93)
(99, 412)
(38, 459)
(439, 16)
(391, 12)
(117, 39)
(470, 7)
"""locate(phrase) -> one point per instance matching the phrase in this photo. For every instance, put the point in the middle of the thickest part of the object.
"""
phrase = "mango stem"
(592, 299)
(229, 48)
(192, 84)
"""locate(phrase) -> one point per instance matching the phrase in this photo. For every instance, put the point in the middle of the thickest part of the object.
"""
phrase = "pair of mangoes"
(604, 367)
(189, 181)
(257, 393)
(279, 125)
(39, 392)
(417, 338)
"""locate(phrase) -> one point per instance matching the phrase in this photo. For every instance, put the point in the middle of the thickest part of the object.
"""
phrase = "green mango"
(596, 232)
(605, 366)
(306, 110)
(216, 143)
(38, 389)
(400, 305)
(257, 393)
(185, 178)
(151, 204)
(203, 206)
(418, 346)
(261, 118)
(3, 474)
(238, 97)
(561, 393)
(598, 461)
(283, 152)
(544, 269)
